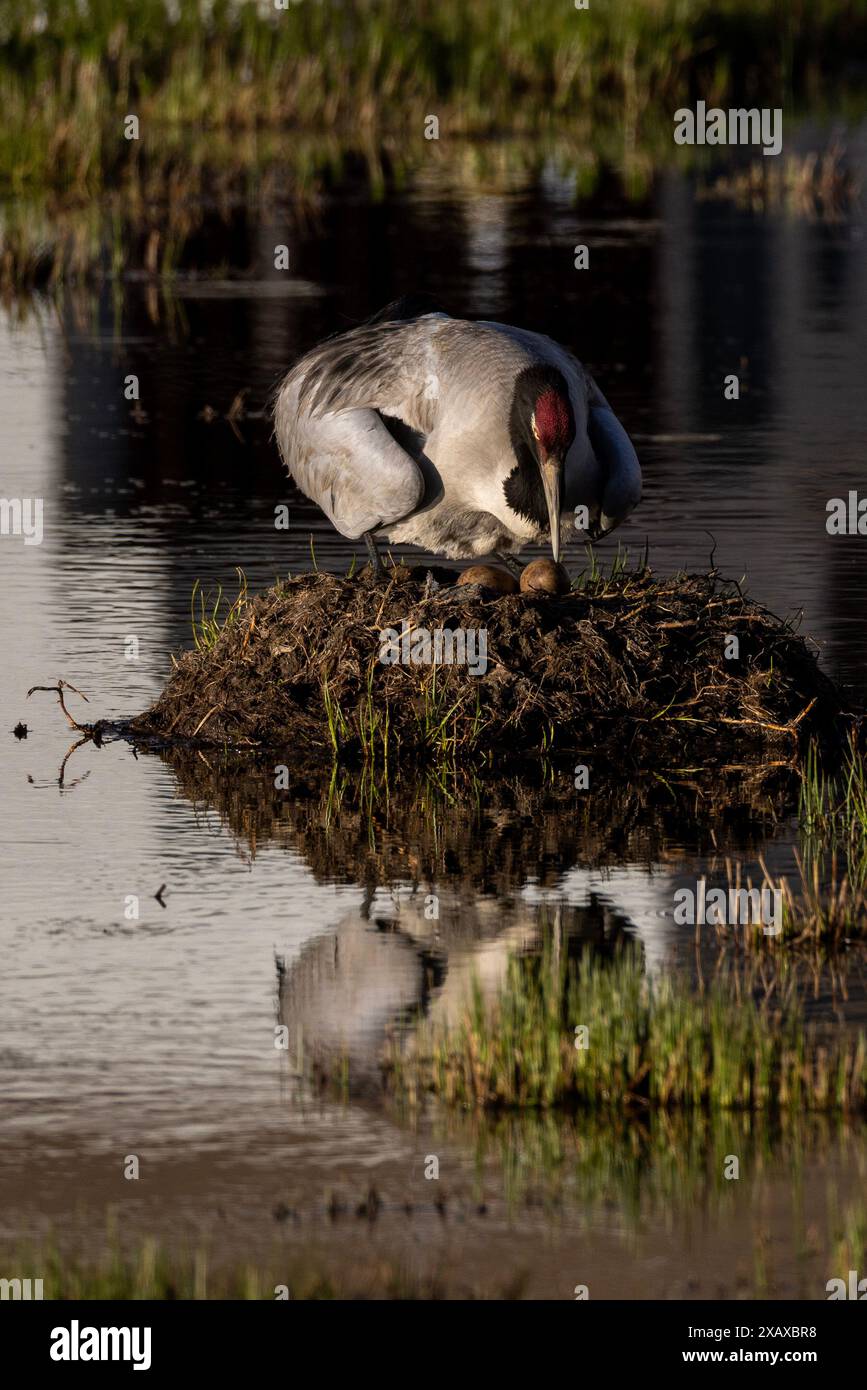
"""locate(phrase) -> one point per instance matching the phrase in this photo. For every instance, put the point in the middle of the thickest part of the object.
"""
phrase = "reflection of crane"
(642, 898)
(464, 438)
(346, 991)
(387, 963)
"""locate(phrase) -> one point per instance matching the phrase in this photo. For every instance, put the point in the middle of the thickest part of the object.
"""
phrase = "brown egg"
(544, 577)
(491, 578)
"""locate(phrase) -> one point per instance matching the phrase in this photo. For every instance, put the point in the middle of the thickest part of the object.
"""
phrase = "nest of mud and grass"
(635, 668)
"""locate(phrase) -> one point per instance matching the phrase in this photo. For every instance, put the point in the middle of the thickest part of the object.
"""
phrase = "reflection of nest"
(488, 859)
(496, 836)
(641, 668)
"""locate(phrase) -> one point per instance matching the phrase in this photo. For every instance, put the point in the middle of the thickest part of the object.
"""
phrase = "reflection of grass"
(841, 1247)
(812, 185)
(661, 1161)
(665, 1164)
(850, 1226)
(833, 812)
(660, 1044)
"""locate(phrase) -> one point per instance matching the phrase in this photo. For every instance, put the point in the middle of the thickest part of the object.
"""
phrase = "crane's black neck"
(523, 487)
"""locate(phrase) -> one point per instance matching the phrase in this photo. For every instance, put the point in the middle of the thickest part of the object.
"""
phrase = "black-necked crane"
(464, 438)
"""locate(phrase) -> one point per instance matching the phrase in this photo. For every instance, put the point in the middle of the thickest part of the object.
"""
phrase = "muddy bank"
(642, 670)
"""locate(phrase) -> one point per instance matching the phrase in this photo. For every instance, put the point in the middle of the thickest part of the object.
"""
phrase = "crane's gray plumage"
(411, 428)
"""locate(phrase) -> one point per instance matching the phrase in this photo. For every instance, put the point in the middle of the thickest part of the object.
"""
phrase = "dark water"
(154, 1035)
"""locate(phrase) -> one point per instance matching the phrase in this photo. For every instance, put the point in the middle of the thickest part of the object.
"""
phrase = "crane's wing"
(332, 415)
(621, 481)
(391, 367)
(351, 466)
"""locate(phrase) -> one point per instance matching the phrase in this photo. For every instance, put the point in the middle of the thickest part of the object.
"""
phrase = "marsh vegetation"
(601, 1034)
(71, 77)
(239, 105)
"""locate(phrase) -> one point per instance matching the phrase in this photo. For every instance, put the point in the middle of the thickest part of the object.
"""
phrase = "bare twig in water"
(58, 690)
(236, 410)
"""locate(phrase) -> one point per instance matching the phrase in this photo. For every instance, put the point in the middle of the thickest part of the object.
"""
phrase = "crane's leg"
(376, 565)
(512, 565)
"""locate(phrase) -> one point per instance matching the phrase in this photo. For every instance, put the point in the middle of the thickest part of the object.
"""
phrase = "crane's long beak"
(551, 475)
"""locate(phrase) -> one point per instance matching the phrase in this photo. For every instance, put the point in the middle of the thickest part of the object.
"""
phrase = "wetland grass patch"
(239, 102)
(661, 1044)
(832, 811)
(72, 71)
(155, 1271)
